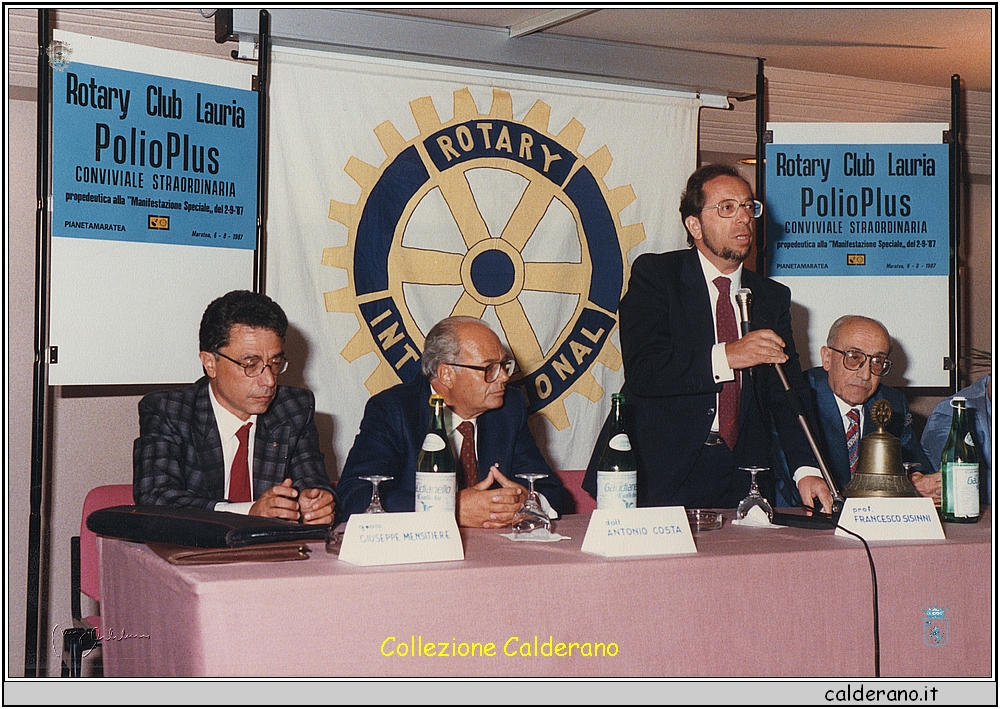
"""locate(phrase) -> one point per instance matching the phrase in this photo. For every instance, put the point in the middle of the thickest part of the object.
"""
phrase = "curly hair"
(239, 307)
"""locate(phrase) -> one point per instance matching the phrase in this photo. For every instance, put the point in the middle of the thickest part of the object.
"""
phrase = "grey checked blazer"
(177, 458)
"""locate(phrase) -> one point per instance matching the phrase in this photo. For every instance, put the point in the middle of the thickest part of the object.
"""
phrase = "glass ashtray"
(704, 520)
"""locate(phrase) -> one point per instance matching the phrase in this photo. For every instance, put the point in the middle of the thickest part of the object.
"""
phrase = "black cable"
(871, 565)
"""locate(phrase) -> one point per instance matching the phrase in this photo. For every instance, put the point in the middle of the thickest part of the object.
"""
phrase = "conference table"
(752, 602)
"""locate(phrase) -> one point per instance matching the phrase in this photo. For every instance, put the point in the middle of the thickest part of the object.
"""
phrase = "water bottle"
(960, 468)
(436, 468)
(616, 470)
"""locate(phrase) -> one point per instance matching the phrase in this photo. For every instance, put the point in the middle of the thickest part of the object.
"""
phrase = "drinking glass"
(754, 499)
(376, 504)
(531, 516)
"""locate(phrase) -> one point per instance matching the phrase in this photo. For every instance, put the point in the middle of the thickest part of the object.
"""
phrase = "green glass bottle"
(616, 469)
(960, 468)
(436, 468)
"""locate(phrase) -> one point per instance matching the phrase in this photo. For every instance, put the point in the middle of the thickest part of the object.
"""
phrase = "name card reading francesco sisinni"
(401, 538)
(642, 531)
(891, 518)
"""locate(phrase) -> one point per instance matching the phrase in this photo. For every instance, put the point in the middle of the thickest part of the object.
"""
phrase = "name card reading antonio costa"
(401, 538)
(891, 518)
(643, 531)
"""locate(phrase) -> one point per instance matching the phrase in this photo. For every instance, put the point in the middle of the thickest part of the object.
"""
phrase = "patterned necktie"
(239, 474)
(729, 398)
(468, 454)
(853, 437)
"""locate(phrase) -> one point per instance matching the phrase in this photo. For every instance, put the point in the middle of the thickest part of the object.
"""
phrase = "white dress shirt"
(720, 364)
(228, 424)
(844, 409)
(451, 423)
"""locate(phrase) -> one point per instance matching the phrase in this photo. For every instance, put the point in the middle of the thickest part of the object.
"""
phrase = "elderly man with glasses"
(855, 359)
(235, 440)
(464, 361)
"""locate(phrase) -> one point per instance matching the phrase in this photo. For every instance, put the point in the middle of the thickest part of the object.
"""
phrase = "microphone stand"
(743, 299)
(838, 500)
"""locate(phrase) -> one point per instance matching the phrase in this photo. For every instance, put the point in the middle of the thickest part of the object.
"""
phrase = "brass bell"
(880, 461)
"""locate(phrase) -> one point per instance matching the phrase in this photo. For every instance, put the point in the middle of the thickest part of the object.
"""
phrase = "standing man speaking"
(699, 414)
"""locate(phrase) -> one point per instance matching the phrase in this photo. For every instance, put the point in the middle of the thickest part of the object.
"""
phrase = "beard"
(727, 252)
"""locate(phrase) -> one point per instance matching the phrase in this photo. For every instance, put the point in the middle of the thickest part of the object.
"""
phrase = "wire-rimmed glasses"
(728, 208)
(490, 371)
(254, 366)
(855, 360)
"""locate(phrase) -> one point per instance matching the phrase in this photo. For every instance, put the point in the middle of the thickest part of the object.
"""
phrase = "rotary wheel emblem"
(485, 212)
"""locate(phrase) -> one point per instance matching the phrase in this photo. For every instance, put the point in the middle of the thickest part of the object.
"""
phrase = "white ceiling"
(919, 45)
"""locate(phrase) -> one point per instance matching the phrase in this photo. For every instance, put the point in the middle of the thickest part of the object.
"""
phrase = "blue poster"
(137, 157)
(857, 210)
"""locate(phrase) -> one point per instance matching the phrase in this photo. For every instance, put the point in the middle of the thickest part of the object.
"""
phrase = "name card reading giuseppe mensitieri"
(401, 538)
(643, 531)
(891, 518)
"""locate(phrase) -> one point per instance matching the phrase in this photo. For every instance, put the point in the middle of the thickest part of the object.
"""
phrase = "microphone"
(744, 296)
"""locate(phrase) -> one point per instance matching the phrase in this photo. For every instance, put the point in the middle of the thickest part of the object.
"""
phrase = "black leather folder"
(205, 529)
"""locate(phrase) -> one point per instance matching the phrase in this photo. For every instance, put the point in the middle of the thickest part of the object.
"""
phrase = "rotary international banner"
(400, 194)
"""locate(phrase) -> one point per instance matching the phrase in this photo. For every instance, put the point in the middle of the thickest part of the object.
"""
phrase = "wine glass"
(531, 516)
(375, 507)
(754, 499)
(334, 539)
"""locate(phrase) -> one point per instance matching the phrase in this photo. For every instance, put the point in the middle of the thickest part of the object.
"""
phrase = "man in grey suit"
(195, 444)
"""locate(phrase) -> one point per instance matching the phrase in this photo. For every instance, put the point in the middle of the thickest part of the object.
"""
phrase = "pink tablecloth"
(750, 603)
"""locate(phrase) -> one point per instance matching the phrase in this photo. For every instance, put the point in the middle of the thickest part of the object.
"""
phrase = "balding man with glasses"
(464, 361)
(855, 359)
(235, 440)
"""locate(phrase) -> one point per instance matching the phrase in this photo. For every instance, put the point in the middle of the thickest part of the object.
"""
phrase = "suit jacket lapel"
(833, 433)
(268, 451)
(697, 301)
(487, 437)
(208, 443)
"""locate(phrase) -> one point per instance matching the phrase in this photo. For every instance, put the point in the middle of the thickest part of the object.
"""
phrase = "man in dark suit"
(464, 361)
(195, 444)
(855, 359)
(702, 395)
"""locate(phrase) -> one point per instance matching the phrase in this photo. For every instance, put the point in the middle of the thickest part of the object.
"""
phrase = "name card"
(401, 538)
(642, 531)
(891, 518)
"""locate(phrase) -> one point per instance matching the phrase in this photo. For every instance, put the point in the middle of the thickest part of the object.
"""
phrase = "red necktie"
(239, 474)
(729, 398)
(853, 437)
(468, 454)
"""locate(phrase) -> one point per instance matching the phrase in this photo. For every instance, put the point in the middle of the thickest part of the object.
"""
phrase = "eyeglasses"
(490, 371)
(855, 360)
(254, 366)
(728, 208)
